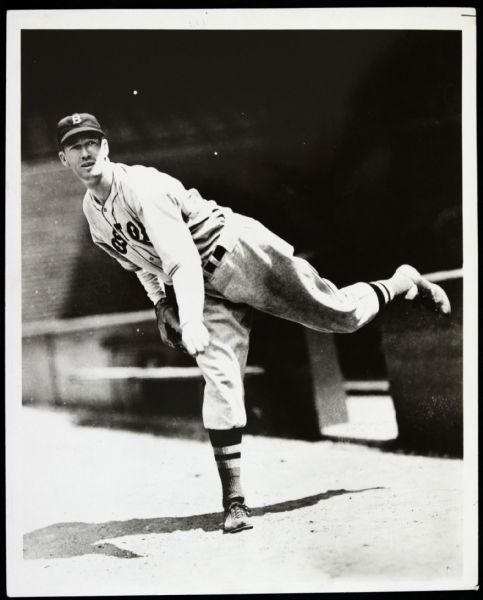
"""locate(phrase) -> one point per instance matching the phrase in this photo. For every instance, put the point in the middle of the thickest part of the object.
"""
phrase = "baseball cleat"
(431, 294)
(236, 518)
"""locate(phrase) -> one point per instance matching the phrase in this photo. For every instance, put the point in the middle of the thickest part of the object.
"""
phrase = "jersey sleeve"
(151, 283)
(161, 211)
(154, 289)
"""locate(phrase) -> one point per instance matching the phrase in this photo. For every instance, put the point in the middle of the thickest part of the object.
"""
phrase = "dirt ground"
(107, 512)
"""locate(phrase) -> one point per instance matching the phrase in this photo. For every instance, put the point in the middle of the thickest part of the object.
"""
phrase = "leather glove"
(168, 324)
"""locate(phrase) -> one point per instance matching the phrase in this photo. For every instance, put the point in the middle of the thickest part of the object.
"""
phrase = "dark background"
(349, 142)
(346, 143)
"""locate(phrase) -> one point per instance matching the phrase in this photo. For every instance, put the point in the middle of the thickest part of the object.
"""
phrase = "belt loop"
(210, 267)
(215, 259)
(219, 253)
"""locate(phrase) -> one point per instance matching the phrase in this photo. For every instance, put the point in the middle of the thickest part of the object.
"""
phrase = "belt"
(218, 253)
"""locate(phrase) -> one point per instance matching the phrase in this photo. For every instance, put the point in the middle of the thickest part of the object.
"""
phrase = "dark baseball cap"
(77, 123)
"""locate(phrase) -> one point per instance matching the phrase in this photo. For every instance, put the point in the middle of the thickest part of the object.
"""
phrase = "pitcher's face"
(86, 156)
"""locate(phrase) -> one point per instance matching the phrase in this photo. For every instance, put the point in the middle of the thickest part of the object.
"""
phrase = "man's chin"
(90, 176)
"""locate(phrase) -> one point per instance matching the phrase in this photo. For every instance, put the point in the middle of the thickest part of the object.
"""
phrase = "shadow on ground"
(66, 540)
(192, 428)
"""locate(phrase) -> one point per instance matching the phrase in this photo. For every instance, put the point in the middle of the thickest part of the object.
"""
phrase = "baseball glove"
(166, 312)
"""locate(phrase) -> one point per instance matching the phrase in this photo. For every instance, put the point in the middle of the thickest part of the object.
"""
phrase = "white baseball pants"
(259, 270)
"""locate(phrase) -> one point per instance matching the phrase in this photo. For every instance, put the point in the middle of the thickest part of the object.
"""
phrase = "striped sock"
(227, 450)
(384, 291)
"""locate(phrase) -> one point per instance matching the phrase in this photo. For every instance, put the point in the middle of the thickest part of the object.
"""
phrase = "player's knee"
(223, 407)
(348, 320)
(353, 324)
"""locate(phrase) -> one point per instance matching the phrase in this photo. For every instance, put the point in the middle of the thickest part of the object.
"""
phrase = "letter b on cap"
(76, 119)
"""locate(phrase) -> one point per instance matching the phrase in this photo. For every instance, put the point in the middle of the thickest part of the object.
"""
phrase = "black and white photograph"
(241, 301)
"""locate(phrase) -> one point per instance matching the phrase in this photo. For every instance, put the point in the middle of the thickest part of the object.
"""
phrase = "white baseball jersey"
(152, 224)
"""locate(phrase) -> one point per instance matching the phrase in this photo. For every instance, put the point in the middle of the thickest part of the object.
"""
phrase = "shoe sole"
(434, 296)
(241, 528)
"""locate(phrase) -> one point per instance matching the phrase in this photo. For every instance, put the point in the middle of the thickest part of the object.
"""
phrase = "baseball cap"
(76, 123)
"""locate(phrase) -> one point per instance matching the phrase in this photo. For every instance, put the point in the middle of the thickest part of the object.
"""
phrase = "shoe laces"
(238, 509)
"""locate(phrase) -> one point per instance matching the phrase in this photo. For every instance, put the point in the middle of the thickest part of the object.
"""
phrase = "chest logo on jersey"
(134, 230)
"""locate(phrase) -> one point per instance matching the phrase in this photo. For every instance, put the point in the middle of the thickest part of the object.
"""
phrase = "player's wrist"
(160, 307)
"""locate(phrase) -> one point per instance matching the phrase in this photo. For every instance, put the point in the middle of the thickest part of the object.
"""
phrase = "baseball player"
(205, 268)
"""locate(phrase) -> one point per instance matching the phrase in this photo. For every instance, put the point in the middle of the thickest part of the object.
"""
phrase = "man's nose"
(84, 150)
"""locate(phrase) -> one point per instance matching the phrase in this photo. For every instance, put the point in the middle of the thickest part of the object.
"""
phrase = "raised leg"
(263, 272)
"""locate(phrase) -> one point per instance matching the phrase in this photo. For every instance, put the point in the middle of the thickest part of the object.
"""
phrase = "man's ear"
(105, 147)
(62, 158)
